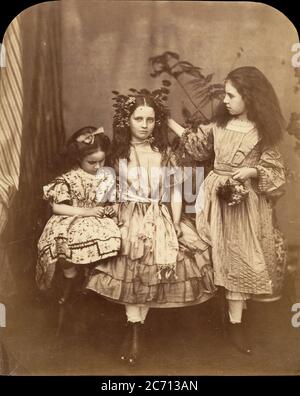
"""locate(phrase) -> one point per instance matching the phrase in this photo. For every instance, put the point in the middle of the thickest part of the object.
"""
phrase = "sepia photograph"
(150, 191)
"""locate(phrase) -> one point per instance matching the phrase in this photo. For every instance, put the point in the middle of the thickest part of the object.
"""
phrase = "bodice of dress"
(236, 145)
(82, 189)
(148, 174)
(143, 171)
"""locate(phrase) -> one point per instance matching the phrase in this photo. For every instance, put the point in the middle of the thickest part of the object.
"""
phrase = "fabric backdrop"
(64, 58)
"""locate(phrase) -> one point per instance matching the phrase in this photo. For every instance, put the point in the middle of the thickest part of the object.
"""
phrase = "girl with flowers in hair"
(82, 229)
(236, 219)
(159, 263)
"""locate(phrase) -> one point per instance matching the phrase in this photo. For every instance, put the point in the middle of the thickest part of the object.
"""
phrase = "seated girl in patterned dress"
(82, 229)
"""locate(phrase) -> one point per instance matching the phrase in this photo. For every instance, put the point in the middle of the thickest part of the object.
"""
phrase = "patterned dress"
(77, 239)
(248, 250)
(153, 267)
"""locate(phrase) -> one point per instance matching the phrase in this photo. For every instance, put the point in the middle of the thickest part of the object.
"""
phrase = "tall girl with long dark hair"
(236, 219)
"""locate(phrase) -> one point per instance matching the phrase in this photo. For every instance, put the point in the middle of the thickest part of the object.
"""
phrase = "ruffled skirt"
(137, 275)
(76, 239)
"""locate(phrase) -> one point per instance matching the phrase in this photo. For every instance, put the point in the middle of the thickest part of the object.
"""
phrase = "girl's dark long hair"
(122, 135)
(261, 102)
(74, 152)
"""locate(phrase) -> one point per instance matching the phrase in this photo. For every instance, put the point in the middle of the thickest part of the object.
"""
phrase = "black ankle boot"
(238, 338)
(135, 348)
(131, 346)
(68, 289)
(126, 344)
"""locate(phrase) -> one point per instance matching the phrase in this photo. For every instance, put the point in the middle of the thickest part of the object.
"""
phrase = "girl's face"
(92, 162)
(142, 122)
(233, 100)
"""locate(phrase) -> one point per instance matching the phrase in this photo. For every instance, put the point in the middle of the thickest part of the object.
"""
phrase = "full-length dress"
(248, 250)
(77, 239)
(153, 267)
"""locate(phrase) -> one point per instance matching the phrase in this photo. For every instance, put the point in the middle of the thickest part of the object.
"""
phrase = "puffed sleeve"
(271, 171)
(58, 191)
(106, 191)
(199, 144)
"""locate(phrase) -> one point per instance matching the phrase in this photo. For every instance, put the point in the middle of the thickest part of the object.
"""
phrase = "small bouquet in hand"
(233, 192)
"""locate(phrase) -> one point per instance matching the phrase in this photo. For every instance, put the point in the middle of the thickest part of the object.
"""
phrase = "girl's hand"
(110, 212)
(244, 173)
(178, 230)
(97, 211)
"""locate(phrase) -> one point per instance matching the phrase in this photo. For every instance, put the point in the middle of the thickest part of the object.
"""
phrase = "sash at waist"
(222, 172)
(125, 197)
(225, 170)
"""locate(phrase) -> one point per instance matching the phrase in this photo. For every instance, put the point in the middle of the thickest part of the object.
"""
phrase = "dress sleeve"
(199, 144)
(271, 171)
(106, 191)
(58, 191)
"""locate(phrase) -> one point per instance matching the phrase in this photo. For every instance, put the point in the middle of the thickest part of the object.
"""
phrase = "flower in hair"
(131, 100)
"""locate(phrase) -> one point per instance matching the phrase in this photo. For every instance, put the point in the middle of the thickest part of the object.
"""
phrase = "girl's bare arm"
(68, 210)
(178, 129)
(176, 206)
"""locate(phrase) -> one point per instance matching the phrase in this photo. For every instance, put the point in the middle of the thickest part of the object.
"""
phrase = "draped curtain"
(31, 133)
(64, 58)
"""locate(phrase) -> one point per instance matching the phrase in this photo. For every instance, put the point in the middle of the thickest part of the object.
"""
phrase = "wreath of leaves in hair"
(125, 104)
